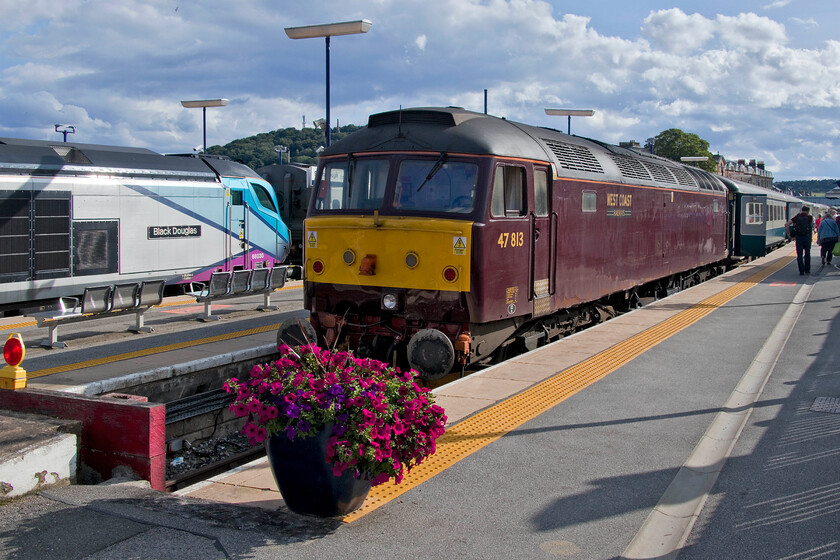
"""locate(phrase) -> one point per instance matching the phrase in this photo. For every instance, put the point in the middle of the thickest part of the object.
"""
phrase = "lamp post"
(570, 113)
(280, 151)
(328, 30)
(65, 129)
(204, 103)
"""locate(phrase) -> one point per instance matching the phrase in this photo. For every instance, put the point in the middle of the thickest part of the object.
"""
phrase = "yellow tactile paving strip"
(475, 432)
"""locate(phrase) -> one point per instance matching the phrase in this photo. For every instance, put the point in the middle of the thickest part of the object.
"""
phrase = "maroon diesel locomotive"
(439, 237)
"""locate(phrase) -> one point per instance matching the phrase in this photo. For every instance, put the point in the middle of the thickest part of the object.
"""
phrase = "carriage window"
(589, 201)
(540, 193)
(755, 214)
(263, 196)
(436, 187)
(508, 192)
(353, 185)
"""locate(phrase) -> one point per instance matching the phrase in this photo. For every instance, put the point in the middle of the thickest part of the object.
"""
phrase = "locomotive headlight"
(411, 260)
(389, 302)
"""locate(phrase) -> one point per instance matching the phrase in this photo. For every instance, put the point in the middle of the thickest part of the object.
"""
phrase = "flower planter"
(329, 418)
(305, 479)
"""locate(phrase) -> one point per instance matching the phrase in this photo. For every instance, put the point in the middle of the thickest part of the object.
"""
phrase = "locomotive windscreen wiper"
(435, 168)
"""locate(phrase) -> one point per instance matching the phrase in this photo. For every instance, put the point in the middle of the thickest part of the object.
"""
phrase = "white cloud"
(810, 22)
(120, 69)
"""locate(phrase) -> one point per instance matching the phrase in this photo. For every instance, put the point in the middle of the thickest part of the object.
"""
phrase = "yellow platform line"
(150, 351)
(481, 429)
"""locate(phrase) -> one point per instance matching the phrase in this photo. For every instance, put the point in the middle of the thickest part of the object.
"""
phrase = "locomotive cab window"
(236, 197)
(436, 187)
(540, 192)
(508, 192)
(263, 197)
(354, 185)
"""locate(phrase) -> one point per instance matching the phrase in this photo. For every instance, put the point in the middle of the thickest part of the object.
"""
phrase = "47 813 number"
(512, 239)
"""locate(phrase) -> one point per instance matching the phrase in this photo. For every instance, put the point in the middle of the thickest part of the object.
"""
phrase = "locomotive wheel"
(295, 332)
(431, 353)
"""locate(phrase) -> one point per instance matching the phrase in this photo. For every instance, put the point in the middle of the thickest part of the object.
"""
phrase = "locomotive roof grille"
(631, 168)
(660, 172)
(706, 180)
(574, 157)
(683, 177)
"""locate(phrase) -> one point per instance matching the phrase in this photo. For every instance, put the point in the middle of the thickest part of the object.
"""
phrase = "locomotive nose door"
(541, 242)
(238, 226)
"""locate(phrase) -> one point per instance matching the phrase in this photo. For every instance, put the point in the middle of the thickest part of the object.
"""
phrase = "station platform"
(704, 425)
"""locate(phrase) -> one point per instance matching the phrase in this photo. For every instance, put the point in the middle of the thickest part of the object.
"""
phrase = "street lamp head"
(204, 103)
(328, 29)
(570, 112)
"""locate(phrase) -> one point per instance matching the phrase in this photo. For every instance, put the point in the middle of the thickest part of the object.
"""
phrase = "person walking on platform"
(801, 228)
(828, 233)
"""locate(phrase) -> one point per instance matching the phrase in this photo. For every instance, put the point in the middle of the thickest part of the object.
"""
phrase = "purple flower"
(290, 432)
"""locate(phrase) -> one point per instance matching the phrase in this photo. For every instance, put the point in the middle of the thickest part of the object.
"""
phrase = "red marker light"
(13, 350)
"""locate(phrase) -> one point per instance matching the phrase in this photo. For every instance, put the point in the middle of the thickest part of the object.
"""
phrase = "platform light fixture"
(282, 150)
(65, 129)
(204, 103)
(328, 30)
(570, 113)
(693, 159)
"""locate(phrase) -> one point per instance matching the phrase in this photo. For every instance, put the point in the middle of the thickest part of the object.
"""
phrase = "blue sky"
(758, 80)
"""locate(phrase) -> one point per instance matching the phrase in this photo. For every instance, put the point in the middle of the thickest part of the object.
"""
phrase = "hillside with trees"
(814, 187)
(257, 151)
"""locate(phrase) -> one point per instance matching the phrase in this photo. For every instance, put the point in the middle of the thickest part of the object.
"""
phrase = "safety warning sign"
(459, 245)
(312, 240)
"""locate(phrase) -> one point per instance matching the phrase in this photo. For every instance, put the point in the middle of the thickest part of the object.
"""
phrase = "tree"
(257, 151)
(674, 144)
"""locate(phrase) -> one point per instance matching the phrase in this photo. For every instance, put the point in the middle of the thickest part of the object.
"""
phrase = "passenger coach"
(440, 236)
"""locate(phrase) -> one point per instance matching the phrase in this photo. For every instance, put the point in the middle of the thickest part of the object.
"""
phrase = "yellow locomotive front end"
(387, 271)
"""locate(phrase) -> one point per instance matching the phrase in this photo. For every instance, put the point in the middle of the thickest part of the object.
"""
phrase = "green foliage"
(258, 151)
(674, 144)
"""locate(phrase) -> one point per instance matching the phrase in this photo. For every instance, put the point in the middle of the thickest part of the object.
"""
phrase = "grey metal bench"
(98, 302)
(226, 285)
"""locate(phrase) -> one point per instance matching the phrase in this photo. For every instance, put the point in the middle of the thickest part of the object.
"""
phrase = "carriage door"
(238, 226)
(541, 242)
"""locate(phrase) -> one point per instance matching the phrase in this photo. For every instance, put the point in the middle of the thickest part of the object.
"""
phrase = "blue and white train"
(76, 215)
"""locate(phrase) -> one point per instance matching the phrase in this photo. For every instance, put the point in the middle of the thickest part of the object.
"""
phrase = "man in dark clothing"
(804, 225)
